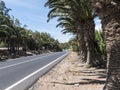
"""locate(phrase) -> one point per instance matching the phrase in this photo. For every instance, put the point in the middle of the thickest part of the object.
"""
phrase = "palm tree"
(7, 25)
(109, 13)
(65, 9)
(69, 26)
(88, 27)
(79, 12)
(3, 15)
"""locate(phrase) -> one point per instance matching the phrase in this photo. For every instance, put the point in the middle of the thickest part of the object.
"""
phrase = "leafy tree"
(3, 16)
(99, 40)
(16, 36)
(73, 44)
(65, 46)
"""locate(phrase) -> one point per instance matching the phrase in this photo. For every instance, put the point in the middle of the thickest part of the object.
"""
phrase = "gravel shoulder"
(69, 74)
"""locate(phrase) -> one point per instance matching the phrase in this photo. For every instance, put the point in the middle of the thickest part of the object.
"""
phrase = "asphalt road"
(15, 72)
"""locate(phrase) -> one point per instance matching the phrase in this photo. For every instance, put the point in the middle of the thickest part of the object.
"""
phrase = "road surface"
(20, 73)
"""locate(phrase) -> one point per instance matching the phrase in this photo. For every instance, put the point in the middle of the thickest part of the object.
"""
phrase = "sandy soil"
(71, 75)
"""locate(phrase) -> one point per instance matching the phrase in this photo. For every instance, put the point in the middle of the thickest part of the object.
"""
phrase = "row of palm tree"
(76, 16)
(17, 37)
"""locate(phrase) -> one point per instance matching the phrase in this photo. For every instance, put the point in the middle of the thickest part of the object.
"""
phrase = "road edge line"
(30, 75)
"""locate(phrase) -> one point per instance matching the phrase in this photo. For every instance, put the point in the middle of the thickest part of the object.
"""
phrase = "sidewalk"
(70, 75)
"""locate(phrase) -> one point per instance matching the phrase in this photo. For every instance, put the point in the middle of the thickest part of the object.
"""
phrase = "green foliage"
(2, 44)
(45, 40)
(65, 46)
(73, 44)
(100, 46)
(100, 50)
(15, 36)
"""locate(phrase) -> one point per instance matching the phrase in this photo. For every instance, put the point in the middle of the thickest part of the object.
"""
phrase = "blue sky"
(34, 15)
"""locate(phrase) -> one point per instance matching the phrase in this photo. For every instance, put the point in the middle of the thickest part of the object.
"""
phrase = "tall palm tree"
(3, 15)
(7, 25)
(89, 30)
(79, 11)
(65, 9)
(109, 13)
(69, 26)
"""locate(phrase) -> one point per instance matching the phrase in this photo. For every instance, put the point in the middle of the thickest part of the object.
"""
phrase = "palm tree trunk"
(109, 12)
(90, 38)
(82, 47)
(78, 44)
(8, 45)
(112, 39)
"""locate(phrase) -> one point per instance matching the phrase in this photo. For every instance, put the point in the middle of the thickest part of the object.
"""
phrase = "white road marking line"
(25, 57)
(20, 81)
(23, 62)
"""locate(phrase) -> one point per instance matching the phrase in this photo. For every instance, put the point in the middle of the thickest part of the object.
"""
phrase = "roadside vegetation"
(99, 49)
(76, 17)
(16, 40)
(94, 48)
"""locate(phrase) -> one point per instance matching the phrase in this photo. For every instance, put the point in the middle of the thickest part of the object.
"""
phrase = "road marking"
(25, 78)
(9, 60)
(23, 62)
